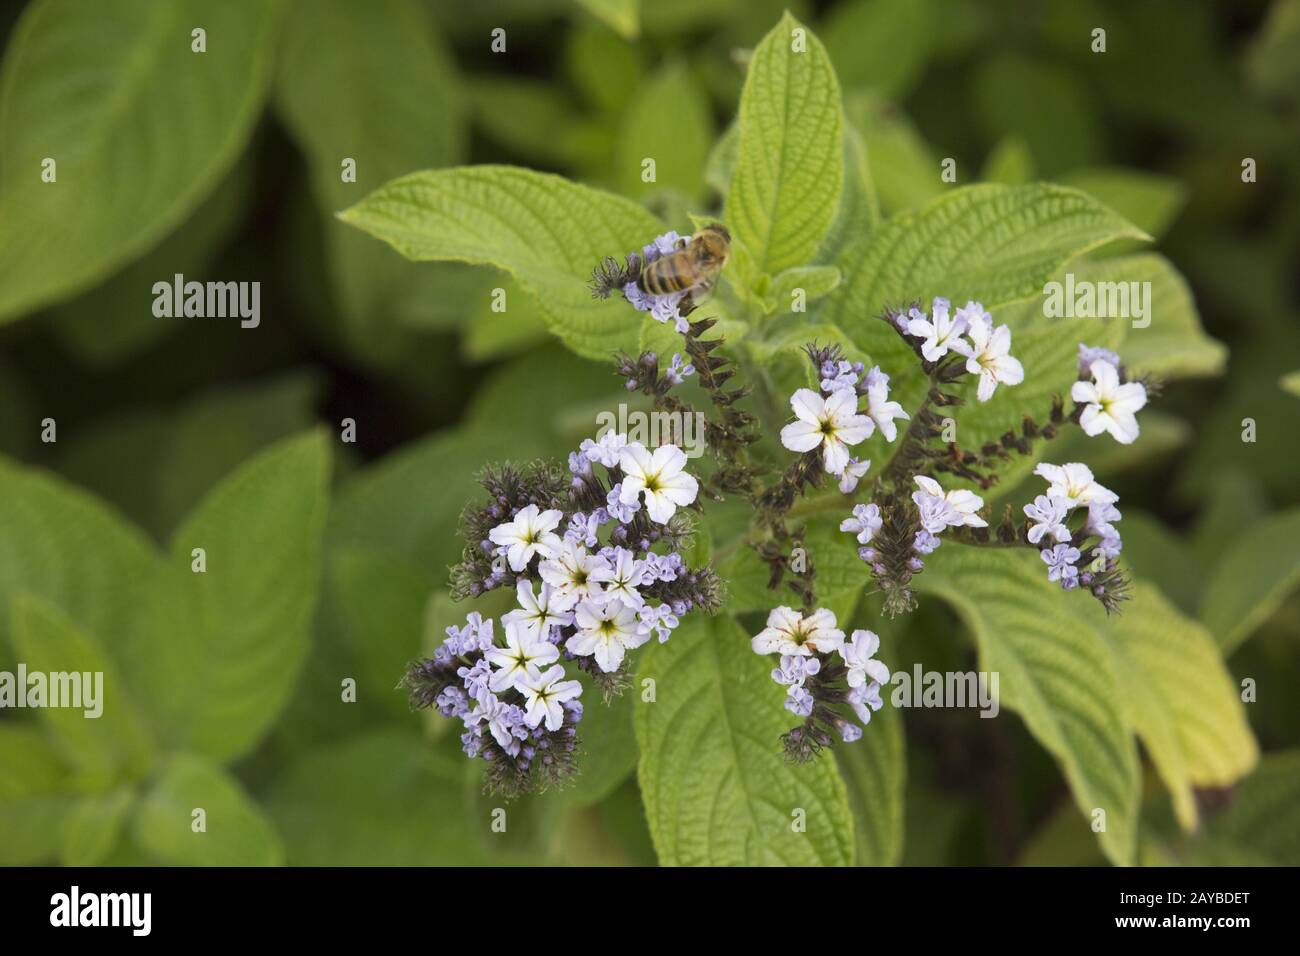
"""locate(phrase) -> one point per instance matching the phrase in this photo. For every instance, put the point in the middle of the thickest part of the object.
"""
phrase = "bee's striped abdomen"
(670, 274)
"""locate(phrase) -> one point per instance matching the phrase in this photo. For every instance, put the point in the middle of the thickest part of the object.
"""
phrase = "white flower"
(606, 632)
(832, 422)
(661, 477)
(865, 522)
(1074, 482)
(1100, 515)
(853, 473)
(571, 575)
(961, 504)
(606, 449)
(537, 613)
(1048, 514)
(941, 332)
(530, 532)
(858, 654)
(789, 632)
(523, 657)
(1109, 406)
(879, 408)
(621, 578)
(989, 355)
(546, 693)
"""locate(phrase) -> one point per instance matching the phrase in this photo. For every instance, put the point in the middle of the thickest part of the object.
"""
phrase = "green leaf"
(1180, 698)
(116, 194)
(790, 168)
(720, 165)
(115, 743)
(217, 653)
(373, 84)
(602, 66)
(621, 15)
(1264, 817)
(156, 464)
(902, 166)
(63, 545)
(491, 335)
(607, 752)
(814, 281)
(874, 771)
(381, 799)
(716, 785)
(237, 832)
(115, 321)
(1290, 383)
(1252, 578)
(881, 44)
(859, 210)
(537, 121)
(1010, 163)
(1055, 670)
(1149, 201)
(92, 829)
(34, 801)
(547, 232)
(1040, 101)
(669, 121)
(379, 601)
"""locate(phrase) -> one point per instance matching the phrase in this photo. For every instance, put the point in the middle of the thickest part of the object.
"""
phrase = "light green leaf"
(379, 601)
(668, 121)
(369, 83)
(1055, 670)
(34, 801)
(381, 799)
(814, 281)
(1253, 576)
(216, 654)
(1180, 698)
(1149, 201)
(104, 748)
(1010, 163)
(237, 832)
(63, 545)
(116, 194)
(716, 785)
(903, 168)
(1290, 383)
(548, 232)
(874, 771)
(881, 44)
(790, 168)
(490, 334)
(92, 829)
(537, 121)
(621, 15)
(603, 66)
(718, 168)
(859, 210)
(1273, 61)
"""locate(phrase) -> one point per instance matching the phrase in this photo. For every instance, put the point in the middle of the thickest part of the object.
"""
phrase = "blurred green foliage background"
(233, 174)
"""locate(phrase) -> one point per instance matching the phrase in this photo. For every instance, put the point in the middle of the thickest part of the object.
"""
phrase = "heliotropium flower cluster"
(596, 565)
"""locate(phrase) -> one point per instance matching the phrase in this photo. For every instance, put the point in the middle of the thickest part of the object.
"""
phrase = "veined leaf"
(236, 831)
(716, 785)
(1149, 201)
(65, 546)
(1252, 578)
(140, 127)
(114, 743)
(1180, 698)
(94, 826)
(216, 653)
(1055, 670)
(548, 232)
(790, 166)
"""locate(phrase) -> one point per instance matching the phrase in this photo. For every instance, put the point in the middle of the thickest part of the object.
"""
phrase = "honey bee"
(694, 267)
